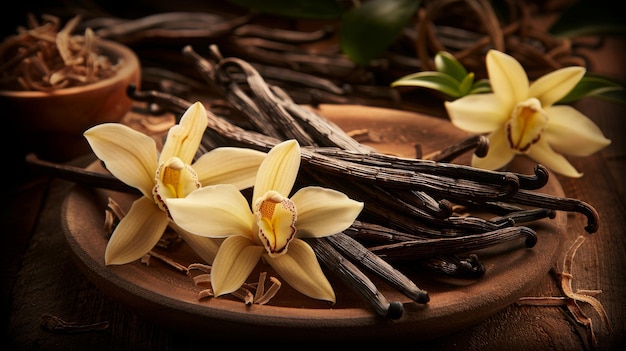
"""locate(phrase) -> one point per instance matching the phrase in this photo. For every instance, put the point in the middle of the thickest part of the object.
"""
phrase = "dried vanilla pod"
(352, 249)
(455, 266)
(426, 248)
(354, 278)
(167, 25)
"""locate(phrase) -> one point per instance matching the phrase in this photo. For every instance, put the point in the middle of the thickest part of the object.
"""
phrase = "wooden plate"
(170, 298)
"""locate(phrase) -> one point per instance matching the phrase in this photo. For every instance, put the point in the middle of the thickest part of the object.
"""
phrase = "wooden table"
(41, 278)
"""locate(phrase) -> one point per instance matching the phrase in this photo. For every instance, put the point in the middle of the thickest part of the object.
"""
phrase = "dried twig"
(571, 298)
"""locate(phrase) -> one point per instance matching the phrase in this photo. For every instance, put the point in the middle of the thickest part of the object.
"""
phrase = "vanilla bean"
(332, 66)
(396, 204)
(478, 142)
(559, 203)
(222, 81)
(171, 25)
(495, 207)
(538, 180)
(355, 279)
(419, 249)
(284, 75)
(454, 266)
(359, 254)
(166, 101)
(78, 175)
(283, 35)
(324, 132)
(524, 216)
(378, 234)
(268, 103)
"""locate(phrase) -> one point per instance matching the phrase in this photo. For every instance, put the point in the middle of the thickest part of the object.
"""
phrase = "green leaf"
(614, 96)
(589, 18)
(481, 86)
(594, 85)
(466, 84)
(431, 80)
(368, 30)
(311, 9)
(445, 62)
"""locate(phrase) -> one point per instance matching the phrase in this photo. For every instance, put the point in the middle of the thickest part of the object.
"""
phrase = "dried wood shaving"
(244, 293)
(571, 298)
(169, 261)
(44, 57)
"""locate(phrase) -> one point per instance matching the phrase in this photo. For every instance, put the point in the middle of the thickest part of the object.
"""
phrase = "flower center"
(526, 124)
(276, 218)
(174, 179)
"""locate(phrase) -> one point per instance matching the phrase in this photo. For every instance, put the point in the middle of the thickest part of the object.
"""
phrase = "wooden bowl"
(52, 122)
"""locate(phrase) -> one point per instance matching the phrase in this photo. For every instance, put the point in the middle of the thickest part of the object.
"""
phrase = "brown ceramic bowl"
(51, 122)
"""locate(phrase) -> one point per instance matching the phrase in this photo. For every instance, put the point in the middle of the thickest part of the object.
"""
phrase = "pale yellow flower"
(133, 158)
(271, 227)
(522, 118)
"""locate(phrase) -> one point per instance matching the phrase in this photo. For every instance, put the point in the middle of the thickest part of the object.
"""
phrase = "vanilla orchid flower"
(269, 229)
(133, 158)
(521, 118)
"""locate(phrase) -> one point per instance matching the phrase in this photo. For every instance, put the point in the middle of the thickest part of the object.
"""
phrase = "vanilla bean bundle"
(329, 152)
(409, 203)
(408, 212)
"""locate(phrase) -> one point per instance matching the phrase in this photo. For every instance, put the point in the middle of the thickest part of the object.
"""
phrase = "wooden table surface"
(41, 278)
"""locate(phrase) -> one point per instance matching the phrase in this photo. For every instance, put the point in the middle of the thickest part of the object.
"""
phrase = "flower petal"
(572, 133)
(478, 113)
(233, 264)
(542, 153)
(129, 155)
(137, 232)
(279, 169)
(301, 270)
(229, 165)
(507, 77)
(499, 154)
(204, 247)
(184, 138)
(555, 85)
(323, 212)
(214, 211)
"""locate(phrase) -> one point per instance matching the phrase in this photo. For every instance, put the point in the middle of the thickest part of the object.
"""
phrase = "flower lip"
(527, 123)
(276, 218)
